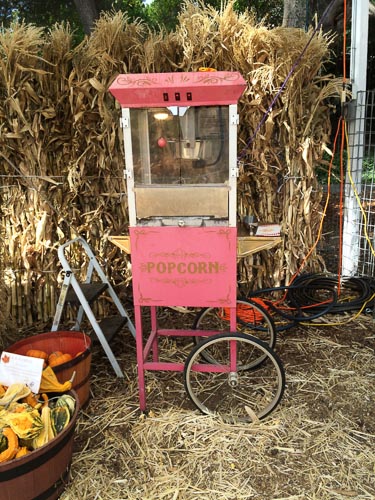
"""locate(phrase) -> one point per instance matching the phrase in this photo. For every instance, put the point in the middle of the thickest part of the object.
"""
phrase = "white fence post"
(356, 124)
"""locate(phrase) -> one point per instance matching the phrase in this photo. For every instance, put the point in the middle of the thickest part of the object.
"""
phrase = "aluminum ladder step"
(91, 291)
(110, 326)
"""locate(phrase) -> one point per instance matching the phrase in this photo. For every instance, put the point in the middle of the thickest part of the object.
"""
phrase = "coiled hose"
(314, 295)
(353, 293)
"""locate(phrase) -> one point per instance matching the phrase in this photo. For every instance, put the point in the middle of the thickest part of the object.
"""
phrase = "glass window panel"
(180, 145)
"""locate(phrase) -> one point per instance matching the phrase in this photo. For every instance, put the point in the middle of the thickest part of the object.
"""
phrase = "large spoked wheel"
(225, 388)
(252, 319)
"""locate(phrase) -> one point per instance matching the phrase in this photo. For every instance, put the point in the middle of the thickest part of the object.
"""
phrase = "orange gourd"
(22, 451)
(12, 448)
(36, 353)
(32, 400)
(54, 355)
(59, 359)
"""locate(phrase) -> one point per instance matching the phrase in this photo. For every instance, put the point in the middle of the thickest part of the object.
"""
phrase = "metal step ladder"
(84, 294)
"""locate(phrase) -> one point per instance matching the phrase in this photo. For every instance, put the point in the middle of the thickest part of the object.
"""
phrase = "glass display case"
(180, 147)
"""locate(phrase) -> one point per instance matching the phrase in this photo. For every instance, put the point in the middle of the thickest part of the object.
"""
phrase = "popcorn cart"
(180, 140)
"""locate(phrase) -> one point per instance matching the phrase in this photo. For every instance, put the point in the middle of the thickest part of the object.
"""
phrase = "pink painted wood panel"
(184, 266)
(178, 89)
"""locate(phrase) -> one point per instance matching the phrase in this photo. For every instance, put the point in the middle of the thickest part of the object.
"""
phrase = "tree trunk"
(88, 14)
(294, 14)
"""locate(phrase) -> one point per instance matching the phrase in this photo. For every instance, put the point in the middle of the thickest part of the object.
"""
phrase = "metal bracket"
(234, 172)
(234, 119)
(127, 174)
(124, 122)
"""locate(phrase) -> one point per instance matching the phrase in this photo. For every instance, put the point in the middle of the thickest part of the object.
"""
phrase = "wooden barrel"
(77, 344)
(44, 473)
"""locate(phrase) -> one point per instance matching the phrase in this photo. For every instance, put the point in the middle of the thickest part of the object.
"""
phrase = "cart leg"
(233, 328)
(154, 327)
(140, 361)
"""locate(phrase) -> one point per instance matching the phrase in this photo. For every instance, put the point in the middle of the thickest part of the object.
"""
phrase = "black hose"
(314, 295)
(353, 293)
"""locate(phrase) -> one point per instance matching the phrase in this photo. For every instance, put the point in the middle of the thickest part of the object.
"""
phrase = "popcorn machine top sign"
(178, 89)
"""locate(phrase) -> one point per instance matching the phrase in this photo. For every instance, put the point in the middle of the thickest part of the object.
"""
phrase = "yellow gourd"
(26, 425)
(47, 432)
(14, 393)
(50, 383)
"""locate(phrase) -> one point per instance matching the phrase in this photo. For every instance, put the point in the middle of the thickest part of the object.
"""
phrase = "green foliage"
(269, 11)
(368, 169)
(46, 13)
(135, 9)
(323, 169)
(165, 12)
(38, 12)
(159, 13)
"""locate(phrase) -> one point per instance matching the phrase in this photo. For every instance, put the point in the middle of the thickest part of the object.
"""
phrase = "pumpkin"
(10, 452)
(50, 383)
(36, 353)
(59, 360)
(54, 355)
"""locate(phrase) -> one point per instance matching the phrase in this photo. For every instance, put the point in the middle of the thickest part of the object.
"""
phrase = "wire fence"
(349, 225)
(366, 264)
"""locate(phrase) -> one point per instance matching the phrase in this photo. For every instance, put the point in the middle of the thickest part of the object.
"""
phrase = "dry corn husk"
(62, 155)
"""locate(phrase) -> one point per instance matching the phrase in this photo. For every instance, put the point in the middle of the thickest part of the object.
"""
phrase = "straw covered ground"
(319, 444)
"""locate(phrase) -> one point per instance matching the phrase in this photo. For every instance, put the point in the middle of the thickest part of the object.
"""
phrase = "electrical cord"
(314, 295)
(297, 311)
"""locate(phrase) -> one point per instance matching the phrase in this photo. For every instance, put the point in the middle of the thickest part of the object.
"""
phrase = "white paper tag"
(268, 230)
(18, 369)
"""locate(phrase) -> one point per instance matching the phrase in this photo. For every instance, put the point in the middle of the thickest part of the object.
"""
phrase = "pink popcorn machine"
(180, 141)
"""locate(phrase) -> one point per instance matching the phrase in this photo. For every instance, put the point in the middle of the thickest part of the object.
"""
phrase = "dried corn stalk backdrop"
(61, 156)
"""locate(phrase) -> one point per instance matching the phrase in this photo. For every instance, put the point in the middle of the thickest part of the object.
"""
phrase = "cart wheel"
(252, 319)
(236, 396)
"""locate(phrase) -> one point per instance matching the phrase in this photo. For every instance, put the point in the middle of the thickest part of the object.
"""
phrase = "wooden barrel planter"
(77, 344)
(44, 473)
